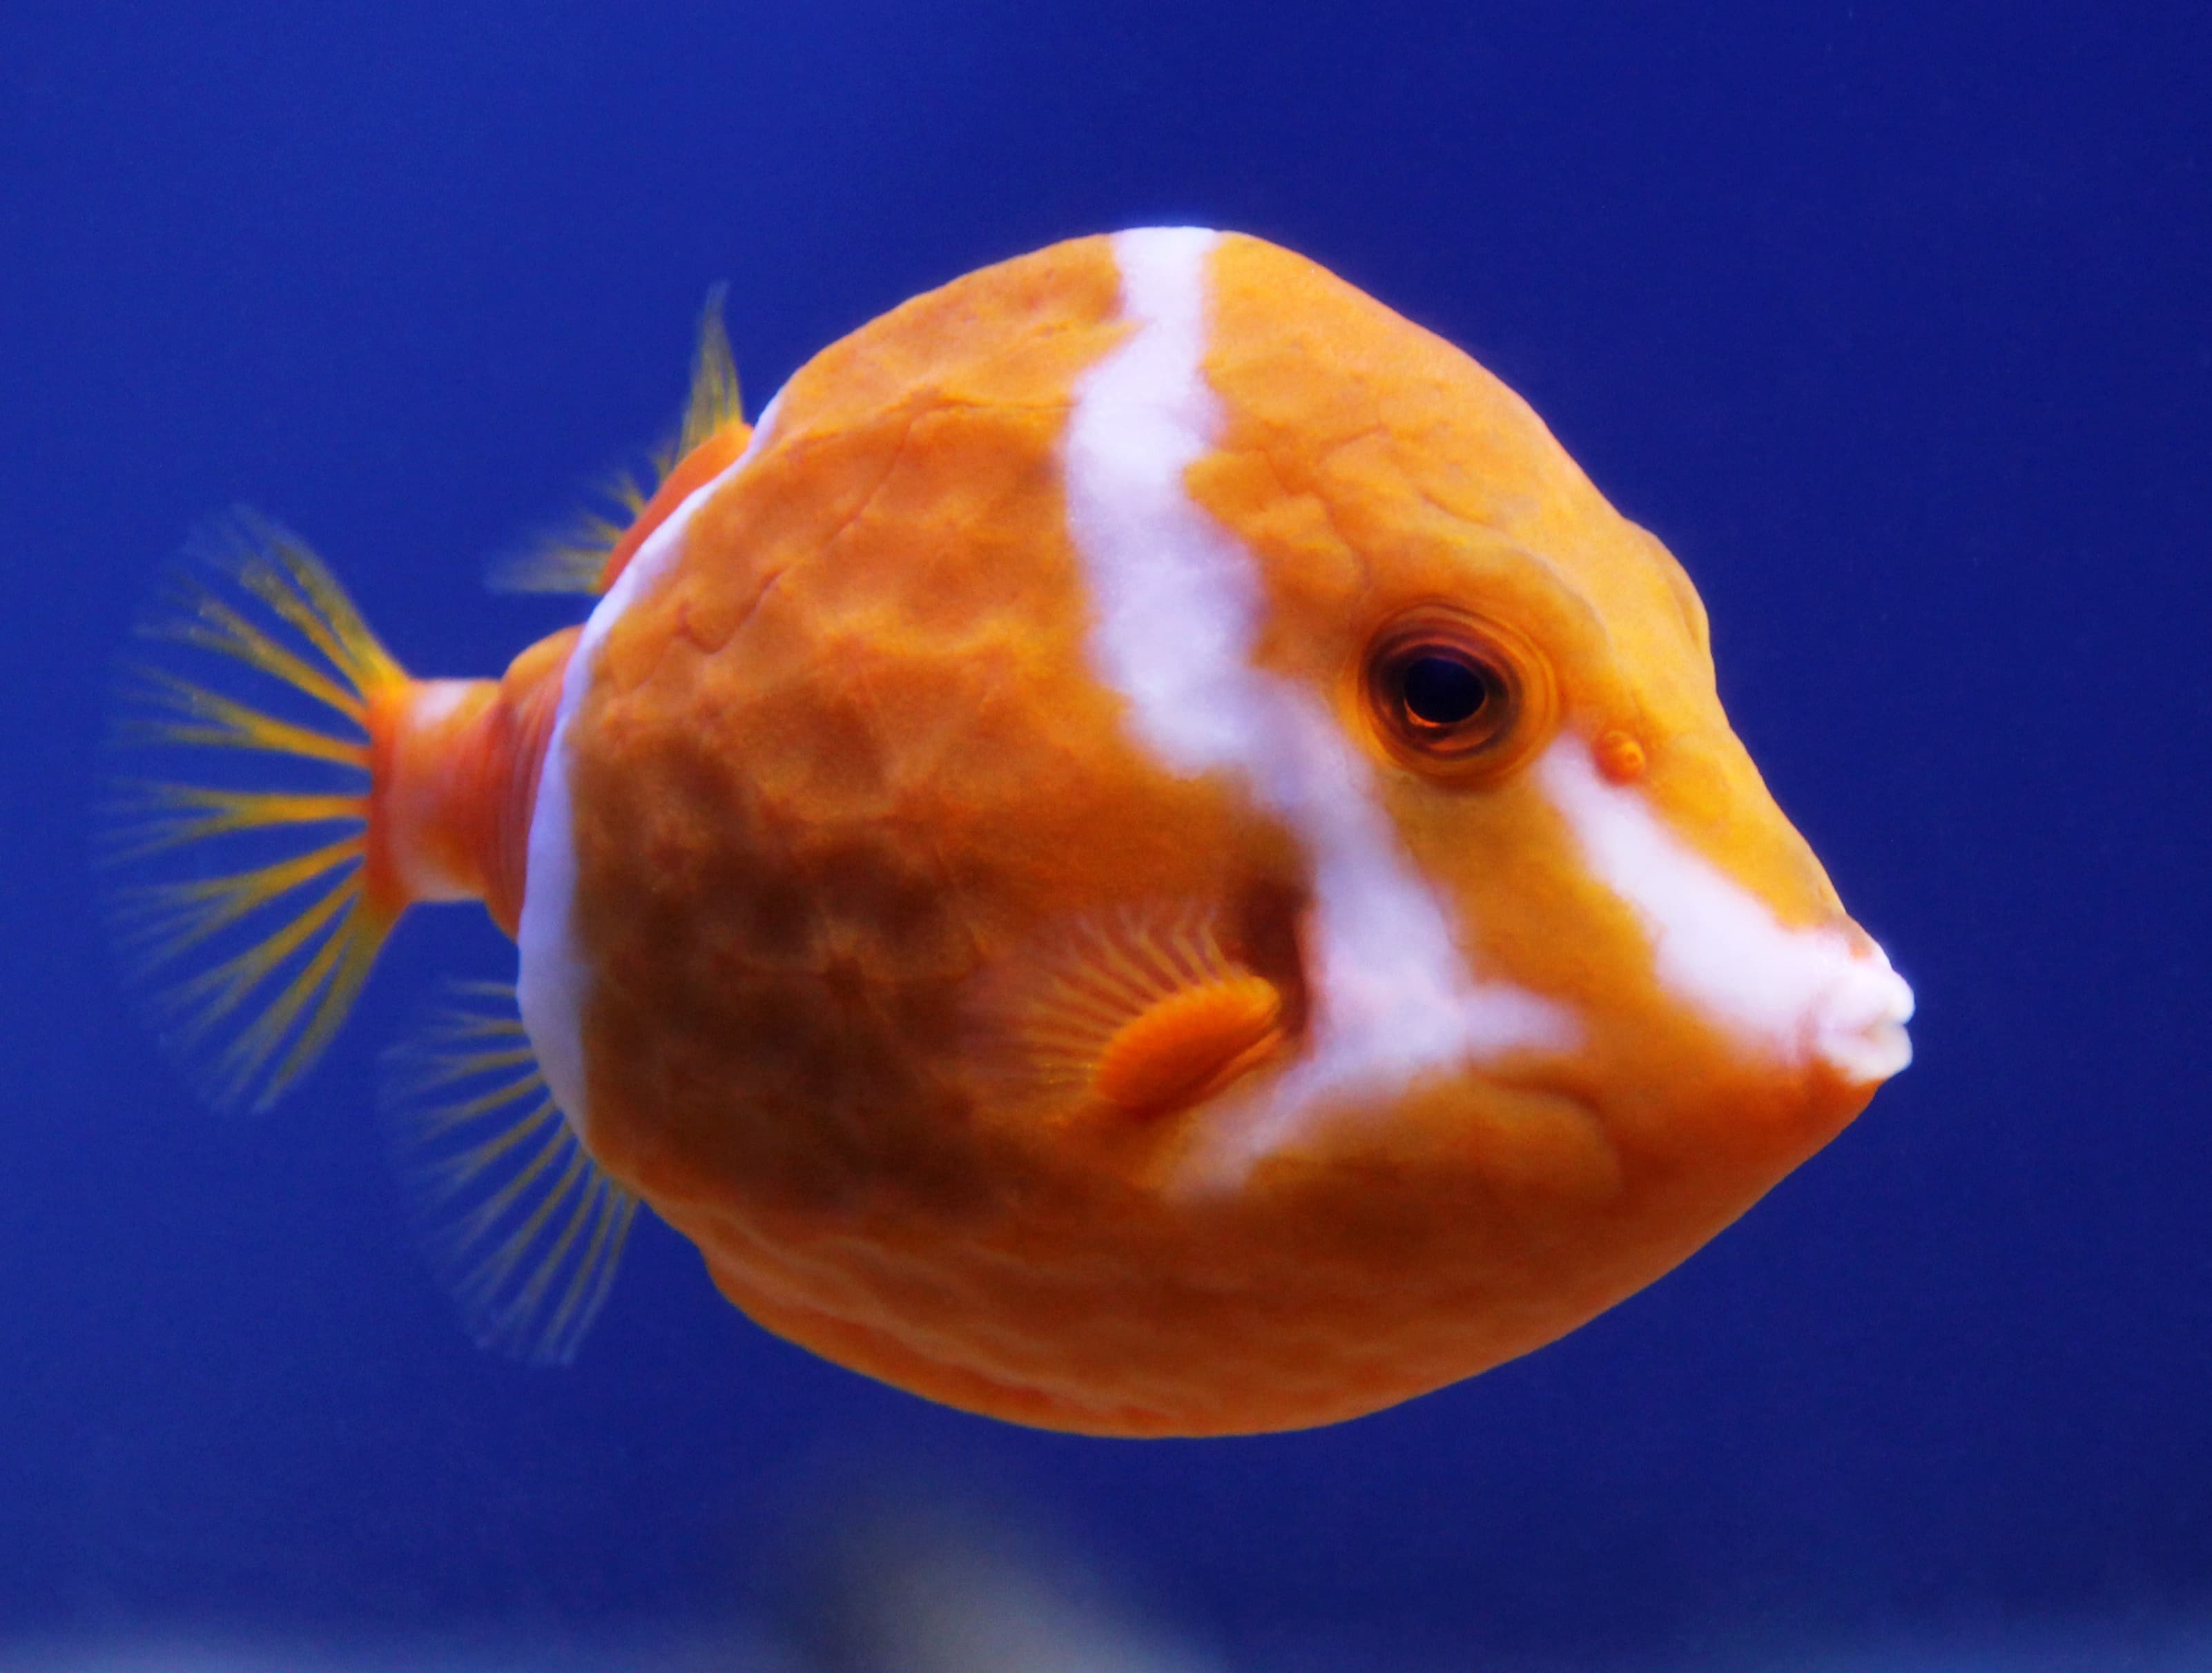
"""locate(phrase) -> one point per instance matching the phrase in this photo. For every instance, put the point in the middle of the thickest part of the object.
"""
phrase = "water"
(1893, 324)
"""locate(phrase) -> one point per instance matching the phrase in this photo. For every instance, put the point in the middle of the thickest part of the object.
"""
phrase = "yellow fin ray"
(716, 401)
(167, 814)
(302, 593)
(240, 893)
(317, 998)
(158, 697)
(157, 922)
(211, 992)
(525, 1229)
(574, 557)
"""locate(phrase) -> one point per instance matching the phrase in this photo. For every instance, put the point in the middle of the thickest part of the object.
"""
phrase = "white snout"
(1792, 994)
(1859, 1025)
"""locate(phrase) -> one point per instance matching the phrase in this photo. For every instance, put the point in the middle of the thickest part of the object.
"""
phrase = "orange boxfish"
(1143, 854)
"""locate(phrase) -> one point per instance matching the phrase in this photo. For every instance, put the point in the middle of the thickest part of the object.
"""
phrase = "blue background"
(1894, 320)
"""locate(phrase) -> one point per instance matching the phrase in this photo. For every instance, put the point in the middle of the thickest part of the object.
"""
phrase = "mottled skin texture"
(846, 769)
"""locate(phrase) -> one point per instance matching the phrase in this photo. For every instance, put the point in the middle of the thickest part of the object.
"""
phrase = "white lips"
(1793, 995)
(1859, 1024)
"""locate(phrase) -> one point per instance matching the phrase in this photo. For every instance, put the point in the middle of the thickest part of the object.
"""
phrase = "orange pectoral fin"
(1185, 1047)
(1144, 1016)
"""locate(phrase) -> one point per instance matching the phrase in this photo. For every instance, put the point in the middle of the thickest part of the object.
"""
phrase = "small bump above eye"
(1620, 757)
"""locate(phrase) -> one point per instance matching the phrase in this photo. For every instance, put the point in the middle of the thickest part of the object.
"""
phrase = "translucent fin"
(236, 839)
(574, 558)
(523, 1227)
(716, 402)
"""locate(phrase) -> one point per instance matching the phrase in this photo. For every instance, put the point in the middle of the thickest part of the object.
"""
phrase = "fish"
(1143, 854)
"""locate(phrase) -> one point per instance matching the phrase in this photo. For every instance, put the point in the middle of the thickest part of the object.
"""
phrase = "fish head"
(1540, 860)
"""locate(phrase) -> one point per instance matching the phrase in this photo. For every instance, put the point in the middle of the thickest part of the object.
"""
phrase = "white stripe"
(553, 980)
(1178, 603)
(1788, 994)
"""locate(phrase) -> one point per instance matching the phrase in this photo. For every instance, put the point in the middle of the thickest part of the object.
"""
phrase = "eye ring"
(1453, 696)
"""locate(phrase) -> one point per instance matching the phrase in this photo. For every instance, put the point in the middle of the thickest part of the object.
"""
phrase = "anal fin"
(525, 1229)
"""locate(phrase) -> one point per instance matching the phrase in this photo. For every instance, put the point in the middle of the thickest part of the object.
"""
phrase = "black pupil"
(1441, 691)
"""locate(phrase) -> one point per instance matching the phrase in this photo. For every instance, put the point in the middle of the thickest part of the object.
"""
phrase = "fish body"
(1144, 855)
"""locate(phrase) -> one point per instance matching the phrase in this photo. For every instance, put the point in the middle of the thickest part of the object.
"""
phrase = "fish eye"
(1448, 695)
(1440, 690)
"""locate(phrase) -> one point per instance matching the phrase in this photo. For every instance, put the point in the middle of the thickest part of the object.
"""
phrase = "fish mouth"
(1857, 1024)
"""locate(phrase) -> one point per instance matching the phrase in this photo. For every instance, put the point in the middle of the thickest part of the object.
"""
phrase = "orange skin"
(843, 779)
(454, 764)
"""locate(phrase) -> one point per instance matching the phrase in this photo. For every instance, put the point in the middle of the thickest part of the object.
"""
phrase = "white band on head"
(1178, 602)
(1791, 994)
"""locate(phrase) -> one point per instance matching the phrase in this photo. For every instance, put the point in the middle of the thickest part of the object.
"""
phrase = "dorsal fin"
(583, 557)
(524, 1228)
(716, 402)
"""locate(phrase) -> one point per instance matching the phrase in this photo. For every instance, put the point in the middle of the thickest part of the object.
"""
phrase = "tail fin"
(242, 902)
